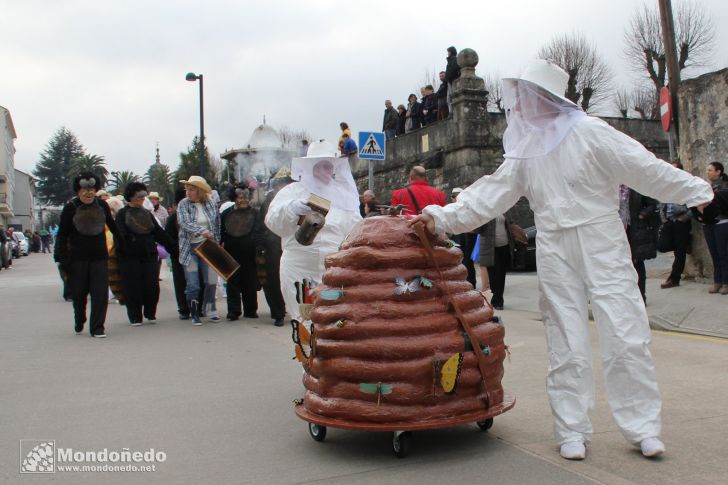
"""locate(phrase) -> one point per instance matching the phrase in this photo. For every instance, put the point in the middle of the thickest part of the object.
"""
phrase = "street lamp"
(191, 76)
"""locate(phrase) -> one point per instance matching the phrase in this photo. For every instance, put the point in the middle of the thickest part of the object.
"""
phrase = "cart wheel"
(485, 425)
(318, 433)
(401, 443)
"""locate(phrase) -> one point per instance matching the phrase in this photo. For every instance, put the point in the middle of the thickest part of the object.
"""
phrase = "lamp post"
(191, 76)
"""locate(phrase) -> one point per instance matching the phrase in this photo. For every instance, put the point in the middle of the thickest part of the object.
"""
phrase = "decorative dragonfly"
(332, 294)
(403, 287)
(379, 389)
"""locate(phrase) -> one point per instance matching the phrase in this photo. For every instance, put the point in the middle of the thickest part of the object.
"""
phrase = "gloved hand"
(64, 270)
(299, 207)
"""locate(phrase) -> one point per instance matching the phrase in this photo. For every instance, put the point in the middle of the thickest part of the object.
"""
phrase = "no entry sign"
(665, 108)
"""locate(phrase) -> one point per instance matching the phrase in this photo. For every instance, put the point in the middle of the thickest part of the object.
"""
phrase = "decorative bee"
(298, 402)
(425, 282)
(340, 323)
(451, 244)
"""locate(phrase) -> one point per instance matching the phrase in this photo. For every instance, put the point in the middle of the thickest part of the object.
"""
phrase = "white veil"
(537, 121)
(341, 191)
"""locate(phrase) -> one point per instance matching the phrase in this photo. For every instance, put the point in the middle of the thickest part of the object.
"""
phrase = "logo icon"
(37, 456)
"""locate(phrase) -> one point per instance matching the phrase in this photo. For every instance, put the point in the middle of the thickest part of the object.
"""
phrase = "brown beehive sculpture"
(387, 345)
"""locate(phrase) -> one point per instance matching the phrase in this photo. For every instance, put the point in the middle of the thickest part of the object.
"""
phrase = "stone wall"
(703, 117)
(459, 150)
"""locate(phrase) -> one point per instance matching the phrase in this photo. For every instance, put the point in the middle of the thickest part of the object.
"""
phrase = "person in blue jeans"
(198, 219)
(716, 235)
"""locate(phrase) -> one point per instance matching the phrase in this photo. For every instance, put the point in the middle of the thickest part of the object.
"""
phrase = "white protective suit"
(582, 254)
(298, 261)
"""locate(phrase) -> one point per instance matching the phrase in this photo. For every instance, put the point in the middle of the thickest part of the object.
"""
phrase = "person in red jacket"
(419, 194)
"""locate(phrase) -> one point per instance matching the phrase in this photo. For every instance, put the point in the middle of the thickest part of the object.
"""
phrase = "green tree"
(159, 179)
(91, 163)
(53, 169)
(119, 180)
(190, 163)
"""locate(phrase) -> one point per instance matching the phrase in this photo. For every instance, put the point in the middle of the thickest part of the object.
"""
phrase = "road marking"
(693, 336)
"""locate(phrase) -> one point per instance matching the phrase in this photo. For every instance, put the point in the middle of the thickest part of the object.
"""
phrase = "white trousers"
(593, 263)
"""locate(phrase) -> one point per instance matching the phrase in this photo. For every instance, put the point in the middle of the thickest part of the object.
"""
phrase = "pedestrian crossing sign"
(371, 145)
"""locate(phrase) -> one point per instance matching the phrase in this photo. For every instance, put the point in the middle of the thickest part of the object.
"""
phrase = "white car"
(22, 243)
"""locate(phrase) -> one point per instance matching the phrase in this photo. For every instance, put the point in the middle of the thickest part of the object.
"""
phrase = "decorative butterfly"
(425, 282)
(450, 373)
(379, 389)
(403, 287)
(301, 337)
(332, 295)
(451, 244)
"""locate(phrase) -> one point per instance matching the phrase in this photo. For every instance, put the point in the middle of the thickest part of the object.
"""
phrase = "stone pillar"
(469, 98)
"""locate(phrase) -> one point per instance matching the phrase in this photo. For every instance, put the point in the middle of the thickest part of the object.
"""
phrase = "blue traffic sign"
(371, 145)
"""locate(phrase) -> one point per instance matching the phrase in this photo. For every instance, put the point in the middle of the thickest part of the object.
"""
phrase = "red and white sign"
(665, 108)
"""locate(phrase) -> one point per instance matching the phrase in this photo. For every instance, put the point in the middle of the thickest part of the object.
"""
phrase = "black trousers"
(497, 273)
(67, 292)
(140, 282)
(681, 239)
(639, 265)
(272, 287)
(90, 278)
(244, 283)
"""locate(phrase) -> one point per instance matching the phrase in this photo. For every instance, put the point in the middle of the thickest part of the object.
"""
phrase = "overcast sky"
(113, 71)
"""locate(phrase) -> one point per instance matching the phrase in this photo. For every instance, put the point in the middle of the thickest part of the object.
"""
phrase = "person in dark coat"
(641, 221)
(452, 72)
(429, 106)
(138, 256)
(81, 252)
(238, 224)
(269, 252)
(402, 120)
(414, 112)
(391, 119)
(178, 271)
(441, 96)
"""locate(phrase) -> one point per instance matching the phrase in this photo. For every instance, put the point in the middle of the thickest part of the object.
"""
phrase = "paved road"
(217, 400)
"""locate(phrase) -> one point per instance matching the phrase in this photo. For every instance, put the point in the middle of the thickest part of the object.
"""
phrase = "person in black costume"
(81, 252)
(138, 257)
(238, 224)
(270, 252)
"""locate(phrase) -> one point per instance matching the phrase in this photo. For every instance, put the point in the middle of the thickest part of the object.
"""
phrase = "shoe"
(231, 318)
(278, 322)
(151, 320)
(573, 450)
(184, 316)
(78, 329)
(195, 312)
(253, 315)
(99, 335)
(724, 290)
(136, 324)
(652, 447)
(669, 284)
(212, 314)
(498, 307)
(715, 288)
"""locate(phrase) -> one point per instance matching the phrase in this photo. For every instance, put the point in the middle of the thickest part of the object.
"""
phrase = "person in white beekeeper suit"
(569, 166)
(321, 173)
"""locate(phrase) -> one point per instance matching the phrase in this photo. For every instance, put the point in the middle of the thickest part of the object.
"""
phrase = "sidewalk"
(689, 308)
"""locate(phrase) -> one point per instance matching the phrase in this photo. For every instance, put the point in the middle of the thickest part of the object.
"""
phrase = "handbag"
(665, 238)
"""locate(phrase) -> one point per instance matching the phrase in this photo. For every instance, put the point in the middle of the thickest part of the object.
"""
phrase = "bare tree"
(623, 101)
(292, 138)
(493, 85)
(432, 78)
(695, 38)
(645, 101)
(589, 75)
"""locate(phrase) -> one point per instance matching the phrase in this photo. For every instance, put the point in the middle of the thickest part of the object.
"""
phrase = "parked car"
(22, 244)
(6, 249)
(524, 259)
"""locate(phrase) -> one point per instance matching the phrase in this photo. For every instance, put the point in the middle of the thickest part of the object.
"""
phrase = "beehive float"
(394, 325)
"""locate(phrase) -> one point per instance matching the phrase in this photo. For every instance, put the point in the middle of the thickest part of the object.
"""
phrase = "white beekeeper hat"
(547, 76)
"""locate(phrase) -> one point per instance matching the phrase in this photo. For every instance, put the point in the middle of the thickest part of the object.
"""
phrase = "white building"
(7, 165)
(24, 202)
(262, 156)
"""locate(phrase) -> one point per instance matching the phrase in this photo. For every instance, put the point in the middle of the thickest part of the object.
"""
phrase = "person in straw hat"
(569, 166)
(321, 173)
(160, 212)
(198, 219)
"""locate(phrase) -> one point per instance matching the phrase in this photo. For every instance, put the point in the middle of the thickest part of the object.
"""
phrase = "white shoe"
(652, 447)
(573, 450)
(196, 323)
(151, 320)
(136, 324)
